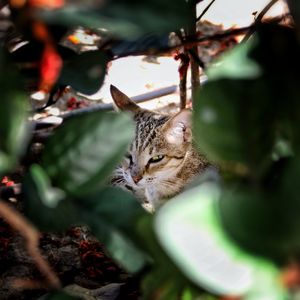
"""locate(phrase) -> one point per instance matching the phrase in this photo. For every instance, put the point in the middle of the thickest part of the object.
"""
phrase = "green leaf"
(127, 19)
(85, 72)
(112, 215)
(229, 118)
(265, 221)
(85, 150)
(14, 131)
(236, 65)
(240, 111)
(45, 205)
(267, 287)
(287, 194)
(190, 230)
(164, 278)
(294, 8)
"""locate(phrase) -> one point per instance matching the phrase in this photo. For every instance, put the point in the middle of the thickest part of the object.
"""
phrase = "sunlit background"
(135, 76)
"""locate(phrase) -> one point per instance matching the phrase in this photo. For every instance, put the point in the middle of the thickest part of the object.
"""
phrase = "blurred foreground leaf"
(127, 19)
(164, 280)
(255, 220)
(240, 112)
(232, 114)
(13, 116)
(85, 72)
(45, 205)
(85, 150)
(190, 230)
(112, 215)
(265, 221)
(294, 7)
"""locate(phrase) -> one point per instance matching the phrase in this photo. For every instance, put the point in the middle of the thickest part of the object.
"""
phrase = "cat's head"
(158, 150)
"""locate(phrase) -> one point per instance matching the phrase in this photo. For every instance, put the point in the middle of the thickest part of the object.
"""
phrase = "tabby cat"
(161, 159)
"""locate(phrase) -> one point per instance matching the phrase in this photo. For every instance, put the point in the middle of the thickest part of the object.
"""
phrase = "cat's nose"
(137, 178)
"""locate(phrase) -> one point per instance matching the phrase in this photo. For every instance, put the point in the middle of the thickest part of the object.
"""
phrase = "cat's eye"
(156, 159)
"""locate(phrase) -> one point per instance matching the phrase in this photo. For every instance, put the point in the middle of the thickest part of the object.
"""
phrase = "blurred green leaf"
(112, 215)
(14, 131)
(294, 7)
(229, 118)
(236, 64)
(289, 203)
(85, 72)
(240, 111)
(164, 279)
(267, 287)
(280, 44)
(85, 150)
(190, 230)
(263, 222)
(282, 148)
(127, 19)
(45, 205)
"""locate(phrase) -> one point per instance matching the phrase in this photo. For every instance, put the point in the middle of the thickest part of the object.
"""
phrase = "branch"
(191, 41)
(194, 56)
(50, 122)
(205, 10)
(183, 68)
(258, 20)
(31, 235)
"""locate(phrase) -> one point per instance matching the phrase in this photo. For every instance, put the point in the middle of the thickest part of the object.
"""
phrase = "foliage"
(245, 120)
(13, 128)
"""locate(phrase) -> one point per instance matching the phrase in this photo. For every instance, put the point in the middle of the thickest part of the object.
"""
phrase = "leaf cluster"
(245, 120)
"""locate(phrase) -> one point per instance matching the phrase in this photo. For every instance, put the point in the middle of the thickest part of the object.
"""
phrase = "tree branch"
(258, 20)
(194, 56)
(191, 41)
(31, 235)
(205, 10)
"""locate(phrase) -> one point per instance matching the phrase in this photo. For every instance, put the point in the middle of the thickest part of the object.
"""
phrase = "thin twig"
(183, 68)
(31, 235)
(258, 20)
(28, 284)
(194, 56)
(205, 10)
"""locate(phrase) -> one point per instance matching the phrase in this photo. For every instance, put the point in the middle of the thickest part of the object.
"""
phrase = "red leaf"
(51, 64)
(7, 182)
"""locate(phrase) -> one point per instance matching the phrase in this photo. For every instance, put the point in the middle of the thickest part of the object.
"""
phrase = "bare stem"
(195, 73)
(205, 10)
(182, 82)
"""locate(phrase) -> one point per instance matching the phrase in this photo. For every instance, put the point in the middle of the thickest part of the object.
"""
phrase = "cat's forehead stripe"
(147, 125)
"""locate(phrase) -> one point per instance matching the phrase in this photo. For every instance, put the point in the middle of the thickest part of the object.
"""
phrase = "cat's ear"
(178, 129)
(122, 101)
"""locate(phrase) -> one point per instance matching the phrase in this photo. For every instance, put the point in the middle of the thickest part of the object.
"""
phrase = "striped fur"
(161, 159)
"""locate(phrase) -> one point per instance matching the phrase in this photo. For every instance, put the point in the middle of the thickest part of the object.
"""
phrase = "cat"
(161, 159)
